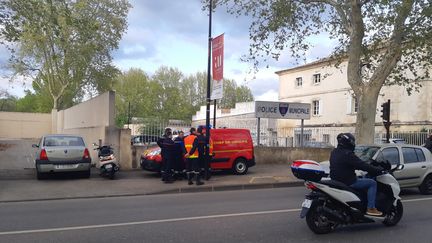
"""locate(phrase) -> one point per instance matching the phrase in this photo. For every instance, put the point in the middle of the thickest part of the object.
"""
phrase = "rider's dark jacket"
(343, 163)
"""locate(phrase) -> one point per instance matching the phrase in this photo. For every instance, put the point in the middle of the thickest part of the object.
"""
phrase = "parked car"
(61, 153)
(232, 149)
(144, 139)
(317, 144)
(151, 159)
(417, 161)
(394, 140)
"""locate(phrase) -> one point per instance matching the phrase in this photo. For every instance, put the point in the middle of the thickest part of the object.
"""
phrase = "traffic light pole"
(386, 119)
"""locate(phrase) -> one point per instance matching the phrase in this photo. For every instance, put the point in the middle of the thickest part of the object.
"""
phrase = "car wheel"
(426, 186)
(86, 174)
(240, 166)
(40, 175)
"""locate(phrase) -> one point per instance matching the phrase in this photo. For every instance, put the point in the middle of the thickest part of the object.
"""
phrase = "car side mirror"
(35, 146)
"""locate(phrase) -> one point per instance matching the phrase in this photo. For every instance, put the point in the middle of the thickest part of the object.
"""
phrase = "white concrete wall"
(24, 125)
(93, 120)
(95, 112)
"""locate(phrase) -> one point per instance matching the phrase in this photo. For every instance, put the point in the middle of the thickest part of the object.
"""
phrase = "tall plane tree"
(64, 45)
(384, 42)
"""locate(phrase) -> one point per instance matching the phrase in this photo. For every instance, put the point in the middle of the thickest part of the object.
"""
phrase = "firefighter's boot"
(190, 178)
(198, 180)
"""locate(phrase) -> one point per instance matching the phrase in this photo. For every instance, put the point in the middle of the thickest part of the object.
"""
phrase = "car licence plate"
(68, 166)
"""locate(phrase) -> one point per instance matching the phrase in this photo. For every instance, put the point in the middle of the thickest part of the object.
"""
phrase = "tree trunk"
(365, 127)
(55, 102)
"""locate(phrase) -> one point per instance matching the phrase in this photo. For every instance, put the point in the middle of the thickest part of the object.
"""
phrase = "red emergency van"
(232, 150)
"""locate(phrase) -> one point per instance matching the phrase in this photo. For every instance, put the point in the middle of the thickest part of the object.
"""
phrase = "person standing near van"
(180, 151)
(168, 154)
(194, 152)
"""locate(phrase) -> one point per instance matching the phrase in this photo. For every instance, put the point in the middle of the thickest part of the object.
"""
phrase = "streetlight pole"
(207, 150)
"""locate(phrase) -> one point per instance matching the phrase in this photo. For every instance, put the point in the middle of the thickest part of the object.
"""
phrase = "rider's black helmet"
(346, 140)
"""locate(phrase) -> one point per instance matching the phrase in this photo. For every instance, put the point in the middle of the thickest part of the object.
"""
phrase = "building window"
(317, 78)
(299, 82)
(326, 138)
(316, 108)
(355, 104)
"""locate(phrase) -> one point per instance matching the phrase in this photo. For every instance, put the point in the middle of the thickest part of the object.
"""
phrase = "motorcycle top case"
(307, 170)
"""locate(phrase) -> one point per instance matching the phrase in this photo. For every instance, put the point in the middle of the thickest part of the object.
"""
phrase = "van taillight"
(86, 154)
(43, 155)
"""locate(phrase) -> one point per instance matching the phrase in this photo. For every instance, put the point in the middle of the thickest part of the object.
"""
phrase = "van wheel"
(240, 166)
(426, 186)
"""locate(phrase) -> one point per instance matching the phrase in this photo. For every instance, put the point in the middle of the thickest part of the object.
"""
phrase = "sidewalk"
(23, 186)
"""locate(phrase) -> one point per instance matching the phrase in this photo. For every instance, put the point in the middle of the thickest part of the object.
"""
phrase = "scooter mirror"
(94, 144)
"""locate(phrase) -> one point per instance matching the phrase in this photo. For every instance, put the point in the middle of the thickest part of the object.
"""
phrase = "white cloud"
(270, 95)
(15, 88)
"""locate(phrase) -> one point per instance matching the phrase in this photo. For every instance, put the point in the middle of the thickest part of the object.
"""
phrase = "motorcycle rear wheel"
(317, 222)
(394, 215)
(112, 175)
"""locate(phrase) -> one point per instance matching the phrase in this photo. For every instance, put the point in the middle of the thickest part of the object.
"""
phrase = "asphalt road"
(268, 215)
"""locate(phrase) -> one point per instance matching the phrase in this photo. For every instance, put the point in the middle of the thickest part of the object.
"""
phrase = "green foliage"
(34, 103)
(64, 45)
(168, 94)
(7, 101)
(234, 94)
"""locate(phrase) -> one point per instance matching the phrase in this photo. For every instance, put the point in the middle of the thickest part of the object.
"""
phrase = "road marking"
(168, 220)
(417, 199)
(146, 222)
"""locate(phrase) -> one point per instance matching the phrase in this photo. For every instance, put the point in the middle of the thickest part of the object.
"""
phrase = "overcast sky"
(175, 33)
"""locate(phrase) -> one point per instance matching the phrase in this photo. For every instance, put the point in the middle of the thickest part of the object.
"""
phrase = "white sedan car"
(62, 153)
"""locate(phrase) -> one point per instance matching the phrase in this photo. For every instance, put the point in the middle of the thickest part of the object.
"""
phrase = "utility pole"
(207, 148)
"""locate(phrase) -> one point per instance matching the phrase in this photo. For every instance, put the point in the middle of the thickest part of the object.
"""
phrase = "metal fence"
(416, 138)
(147, 130)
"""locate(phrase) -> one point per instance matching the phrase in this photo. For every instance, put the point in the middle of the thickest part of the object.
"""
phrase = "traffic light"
(386, 111)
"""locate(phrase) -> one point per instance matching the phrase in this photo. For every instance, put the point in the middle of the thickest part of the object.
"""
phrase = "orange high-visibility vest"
(189, 140)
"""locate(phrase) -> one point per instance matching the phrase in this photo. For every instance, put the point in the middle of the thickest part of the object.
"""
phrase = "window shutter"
(349, 104)
(320, 104)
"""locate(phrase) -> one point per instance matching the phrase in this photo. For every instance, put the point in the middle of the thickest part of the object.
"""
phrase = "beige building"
(333, 107)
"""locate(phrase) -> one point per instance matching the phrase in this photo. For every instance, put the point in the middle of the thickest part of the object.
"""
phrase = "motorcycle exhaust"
(333, 215)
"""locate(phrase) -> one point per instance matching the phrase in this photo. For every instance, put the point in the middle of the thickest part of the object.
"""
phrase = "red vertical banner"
(218, 55)
(217, 66)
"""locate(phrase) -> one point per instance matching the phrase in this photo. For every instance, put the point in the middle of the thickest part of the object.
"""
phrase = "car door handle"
(423, 167)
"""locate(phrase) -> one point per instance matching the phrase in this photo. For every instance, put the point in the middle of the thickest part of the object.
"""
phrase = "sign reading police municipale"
(282, 110)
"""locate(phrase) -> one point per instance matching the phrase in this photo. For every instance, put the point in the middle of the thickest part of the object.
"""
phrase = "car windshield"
(53, 141)
(365, 153)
